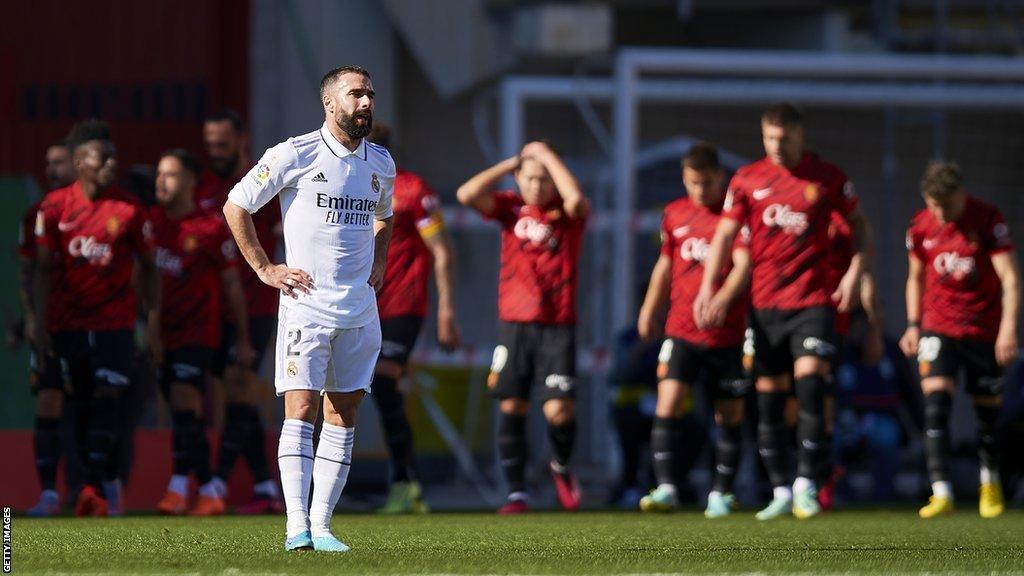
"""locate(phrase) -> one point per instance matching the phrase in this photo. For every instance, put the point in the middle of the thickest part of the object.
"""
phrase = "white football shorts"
(312, 357)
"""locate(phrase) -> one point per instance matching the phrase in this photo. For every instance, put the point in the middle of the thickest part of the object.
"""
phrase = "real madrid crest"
(375, 183)
(293, 370)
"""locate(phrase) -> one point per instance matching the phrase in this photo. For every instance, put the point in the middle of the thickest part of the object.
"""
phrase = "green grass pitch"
(876, 542)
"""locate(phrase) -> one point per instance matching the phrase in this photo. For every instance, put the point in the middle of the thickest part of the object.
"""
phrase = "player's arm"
(915, 288)
(874, 340)
(1005, 264)
(381, 240)
(234, 294)
(652, 312)
(26, 274)
(149, 288)
(721, 244)
(439, 242)
(478, 192)
(279, 276)
(41, 286)
(849, 286)
(573, 200)
(734, 285)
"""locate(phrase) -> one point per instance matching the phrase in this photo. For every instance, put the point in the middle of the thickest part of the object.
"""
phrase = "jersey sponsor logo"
(319, 178)
(559, 382)
(952, 264)
(168, 262)
(260, 174)
(533, 230)
(346, 210)
(87, 247)
(694, 250)
(782, 216)
(761, 193)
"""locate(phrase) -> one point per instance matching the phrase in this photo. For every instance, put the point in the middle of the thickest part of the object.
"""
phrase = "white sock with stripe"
(295, 461)
(330, 472)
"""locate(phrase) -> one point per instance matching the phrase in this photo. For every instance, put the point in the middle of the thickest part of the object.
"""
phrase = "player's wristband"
(913, 324)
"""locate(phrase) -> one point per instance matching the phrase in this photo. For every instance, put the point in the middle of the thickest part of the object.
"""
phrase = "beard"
(351, 128)
(224, 167)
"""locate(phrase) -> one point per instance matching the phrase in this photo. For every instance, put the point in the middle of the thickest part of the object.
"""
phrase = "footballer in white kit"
(335, 194)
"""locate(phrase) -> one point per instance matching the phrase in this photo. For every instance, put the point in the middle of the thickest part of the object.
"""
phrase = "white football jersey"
(330, 197)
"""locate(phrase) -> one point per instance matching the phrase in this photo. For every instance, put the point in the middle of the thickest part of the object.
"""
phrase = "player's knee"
(185, 397)
(987, 401)
(810, 366)
(340, 409)
(301, 405)
(671, 399)
(514, 406)
(729, 412)
(389, 369)
(236, 386)
(49, 403)
(778, 383)
(559, 412)
(938, 384)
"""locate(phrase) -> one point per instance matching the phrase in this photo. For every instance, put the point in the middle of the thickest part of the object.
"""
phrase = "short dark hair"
(380, 134)
(701, 156)
(941, 180)
(226, 115)
(332, 76)
(782, 114)
(63, 143)
(188, 161)
(87, 131)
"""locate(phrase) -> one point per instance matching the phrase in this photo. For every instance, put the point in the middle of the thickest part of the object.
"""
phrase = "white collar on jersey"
(337, 148)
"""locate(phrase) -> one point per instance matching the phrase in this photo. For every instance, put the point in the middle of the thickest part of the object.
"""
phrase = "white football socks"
(330, 471)
(295, 461)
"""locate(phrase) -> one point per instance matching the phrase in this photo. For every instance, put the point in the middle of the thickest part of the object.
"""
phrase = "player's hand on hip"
(287, 280)
(908, 343)
(376, 280)
(448, 336)
(1006, 348)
